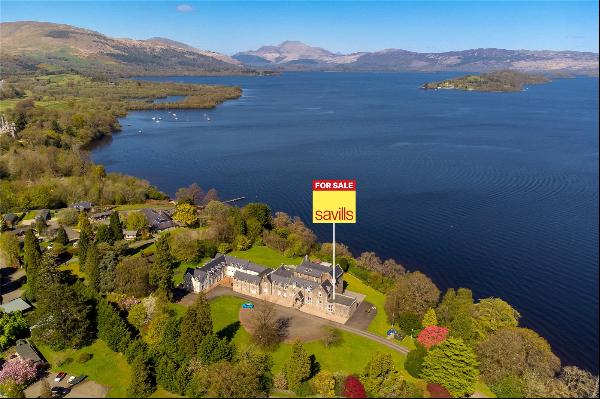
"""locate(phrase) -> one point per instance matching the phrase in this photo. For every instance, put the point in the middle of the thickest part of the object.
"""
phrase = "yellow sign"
(334, 201)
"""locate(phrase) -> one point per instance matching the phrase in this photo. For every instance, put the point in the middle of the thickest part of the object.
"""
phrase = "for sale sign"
(334, 201)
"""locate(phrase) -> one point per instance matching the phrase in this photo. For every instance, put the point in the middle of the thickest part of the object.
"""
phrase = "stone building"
(307, 287)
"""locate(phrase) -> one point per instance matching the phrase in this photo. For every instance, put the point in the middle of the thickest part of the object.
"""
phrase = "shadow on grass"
(229, 331)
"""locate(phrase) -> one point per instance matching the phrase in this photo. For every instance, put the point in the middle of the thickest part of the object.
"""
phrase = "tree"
(132, 277)
(63, 318)
(509, 386)
(142, 384)
(579, 383)
(161, 272)
(32, 260)
(414, 360)
(254, 228)
(195, 325)
(92, 267)
(12, 327)
(18, 371)
(492, 314)
(40, 225)
(332, 337)
(112, 329)
(264, 325)
(409, 323)
(136, 221)
(193, 194)
(324, 384)
(514, 351)
(353, 388)
(234, 380)
(212, 350)
(61, 236)
(115, 226)
(453, 304)
(85, 240)
(453, 365)
(186, 214)
(107, 267)
(137, 316)
(9, 249)
(414, 292)
(45, 390)
(242, 243)
(380, 377)
(104, 234)
(298, 367)
(260, 212)
(68, 216)
(432, 335)
(429, 319)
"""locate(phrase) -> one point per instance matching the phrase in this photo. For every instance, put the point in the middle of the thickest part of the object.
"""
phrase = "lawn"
(105, 367)
(74, 268)
(266, 256)
(30, 215)
(379, 325)
(179, 271)
(350, 356)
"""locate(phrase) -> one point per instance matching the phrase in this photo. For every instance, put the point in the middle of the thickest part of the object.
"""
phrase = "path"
(222, 291)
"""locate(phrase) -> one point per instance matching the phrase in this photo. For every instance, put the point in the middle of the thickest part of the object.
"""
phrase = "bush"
(409, 323)
(65, 361)
(438, 391)
(332, 337)
(279, 381)
(224, 248)
(414, 361)
(305, 389)
(353, 388)
(84, 357)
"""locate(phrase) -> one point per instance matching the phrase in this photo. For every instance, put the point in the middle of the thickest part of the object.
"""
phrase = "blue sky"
(340, 26)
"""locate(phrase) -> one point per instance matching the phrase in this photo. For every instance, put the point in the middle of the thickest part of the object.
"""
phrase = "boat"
(154, 118)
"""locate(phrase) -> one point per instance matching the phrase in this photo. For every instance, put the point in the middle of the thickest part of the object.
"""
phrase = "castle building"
(307, 287)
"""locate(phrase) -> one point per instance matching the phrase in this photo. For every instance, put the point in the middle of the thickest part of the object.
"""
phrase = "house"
(308, 287)
(84, 206)
(16, 305)
(27, 352)
(20, 231)
(157, 220)
(130, 235)
(100, 216)
(11, 219)
(43, 214)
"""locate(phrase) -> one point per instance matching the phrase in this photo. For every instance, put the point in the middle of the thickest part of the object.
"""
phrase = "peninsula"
(499, 81)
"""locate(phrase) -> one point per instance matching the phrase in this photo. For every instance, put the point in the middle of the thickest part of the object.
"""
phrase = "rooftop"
(16, 305)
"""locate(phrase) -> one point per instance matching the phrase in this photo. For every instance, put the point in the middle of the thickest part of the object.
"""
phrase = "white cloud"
(184, 8)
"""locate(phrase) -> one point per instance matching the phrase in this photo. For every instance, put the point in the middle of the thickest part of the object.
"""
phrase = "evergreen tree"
(380, 378)
(108, 270)
(142, 384)
(115, 226)
(453, 365)
(61, 236)
(161, 272)
(104, 234)
(212, 350)
(429, 319)
(112, 329)
(40, 225)
(195, 325)
(85, 240)
(298, 367)
(92, 267)
(32, 259)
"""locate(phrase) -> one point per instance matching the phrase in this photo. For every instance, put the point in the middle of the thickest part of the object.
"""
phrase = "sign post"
(334, 201)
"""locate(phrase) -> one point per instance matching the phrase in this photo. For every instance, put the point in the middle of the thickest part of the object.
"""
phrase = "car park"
(60, 376)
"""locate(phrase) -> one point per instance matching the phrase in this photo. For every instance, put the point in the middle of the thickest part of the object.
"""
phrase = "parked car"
(58, 392)
(248, 305)
(76, 380)
(60, 376)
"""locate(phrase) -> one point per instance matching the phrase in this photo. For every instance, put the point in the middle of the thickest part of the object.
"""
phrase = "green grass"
(183, 266)
(266, 256)
(480, 386)
(105, 367)
(74, 268)
(30, 215)
(350, 356)
(379, 325)
(163, 393)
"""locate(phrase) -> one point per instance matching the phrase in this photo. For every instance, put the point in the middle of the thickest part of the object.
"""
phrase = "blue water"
(497, 192)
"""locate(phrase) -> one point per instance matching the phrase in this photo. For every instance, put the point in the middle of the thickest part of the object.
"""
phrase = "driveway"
(222, 291)
(85, 389)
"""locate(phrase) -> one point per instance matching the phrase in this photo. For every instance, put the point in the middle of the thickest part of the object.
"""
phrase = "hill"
(297, 55)
(28, 47)
(494, 81)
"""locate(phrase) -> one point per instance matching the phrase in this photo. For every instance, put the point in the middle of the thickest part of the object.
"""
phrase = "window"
(308, 299)
(320, 294)
(330, 308)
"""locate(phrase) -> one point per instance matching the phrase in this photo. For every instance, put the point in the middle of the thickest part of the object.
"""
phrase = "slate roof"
(11, 218)
(244, 264)
(342, 299)
(26, 351)
(249, 278)
(302, 283)
(317, 270)
(281, 276)
(157, 220)
(43, 213)
(16, 305)
(82, 205)
(101, 214)
(211, 267)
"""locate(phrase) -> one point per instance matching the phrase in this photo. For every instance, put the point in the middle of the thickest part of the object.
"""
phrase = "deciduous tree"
(492, 314)
(414, 292)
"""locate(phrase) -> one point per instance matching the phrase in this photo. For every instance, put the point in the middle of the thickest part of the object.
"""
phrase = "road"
(222, 291)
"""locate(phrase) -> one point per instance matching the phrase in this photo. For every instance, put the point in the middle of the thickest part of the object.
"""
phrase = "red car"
(60, 376)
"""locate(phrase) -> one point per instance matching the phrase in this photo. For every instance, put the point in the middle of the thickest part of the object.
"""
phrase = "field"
(379, 325)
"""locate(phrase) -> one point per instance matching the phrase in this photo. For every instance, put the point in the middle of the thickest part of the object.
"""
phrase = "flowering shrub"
(353, 388)
(18, 371)
(432, 335)
(438, 391)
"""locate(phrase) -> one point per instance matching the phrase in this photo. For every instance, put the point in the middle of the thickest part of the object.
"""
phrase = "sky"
(339, 26)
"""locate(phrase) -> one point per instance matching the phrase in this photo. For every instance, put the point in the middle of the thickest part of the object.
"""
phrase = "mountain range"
(297, 55)
(27, 47)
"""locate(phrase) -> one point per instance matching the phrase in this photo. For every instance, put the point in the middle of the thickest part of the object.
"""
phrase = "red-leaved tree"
(18, 371)
(432, 335)
(353, 388)
(438, 391)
